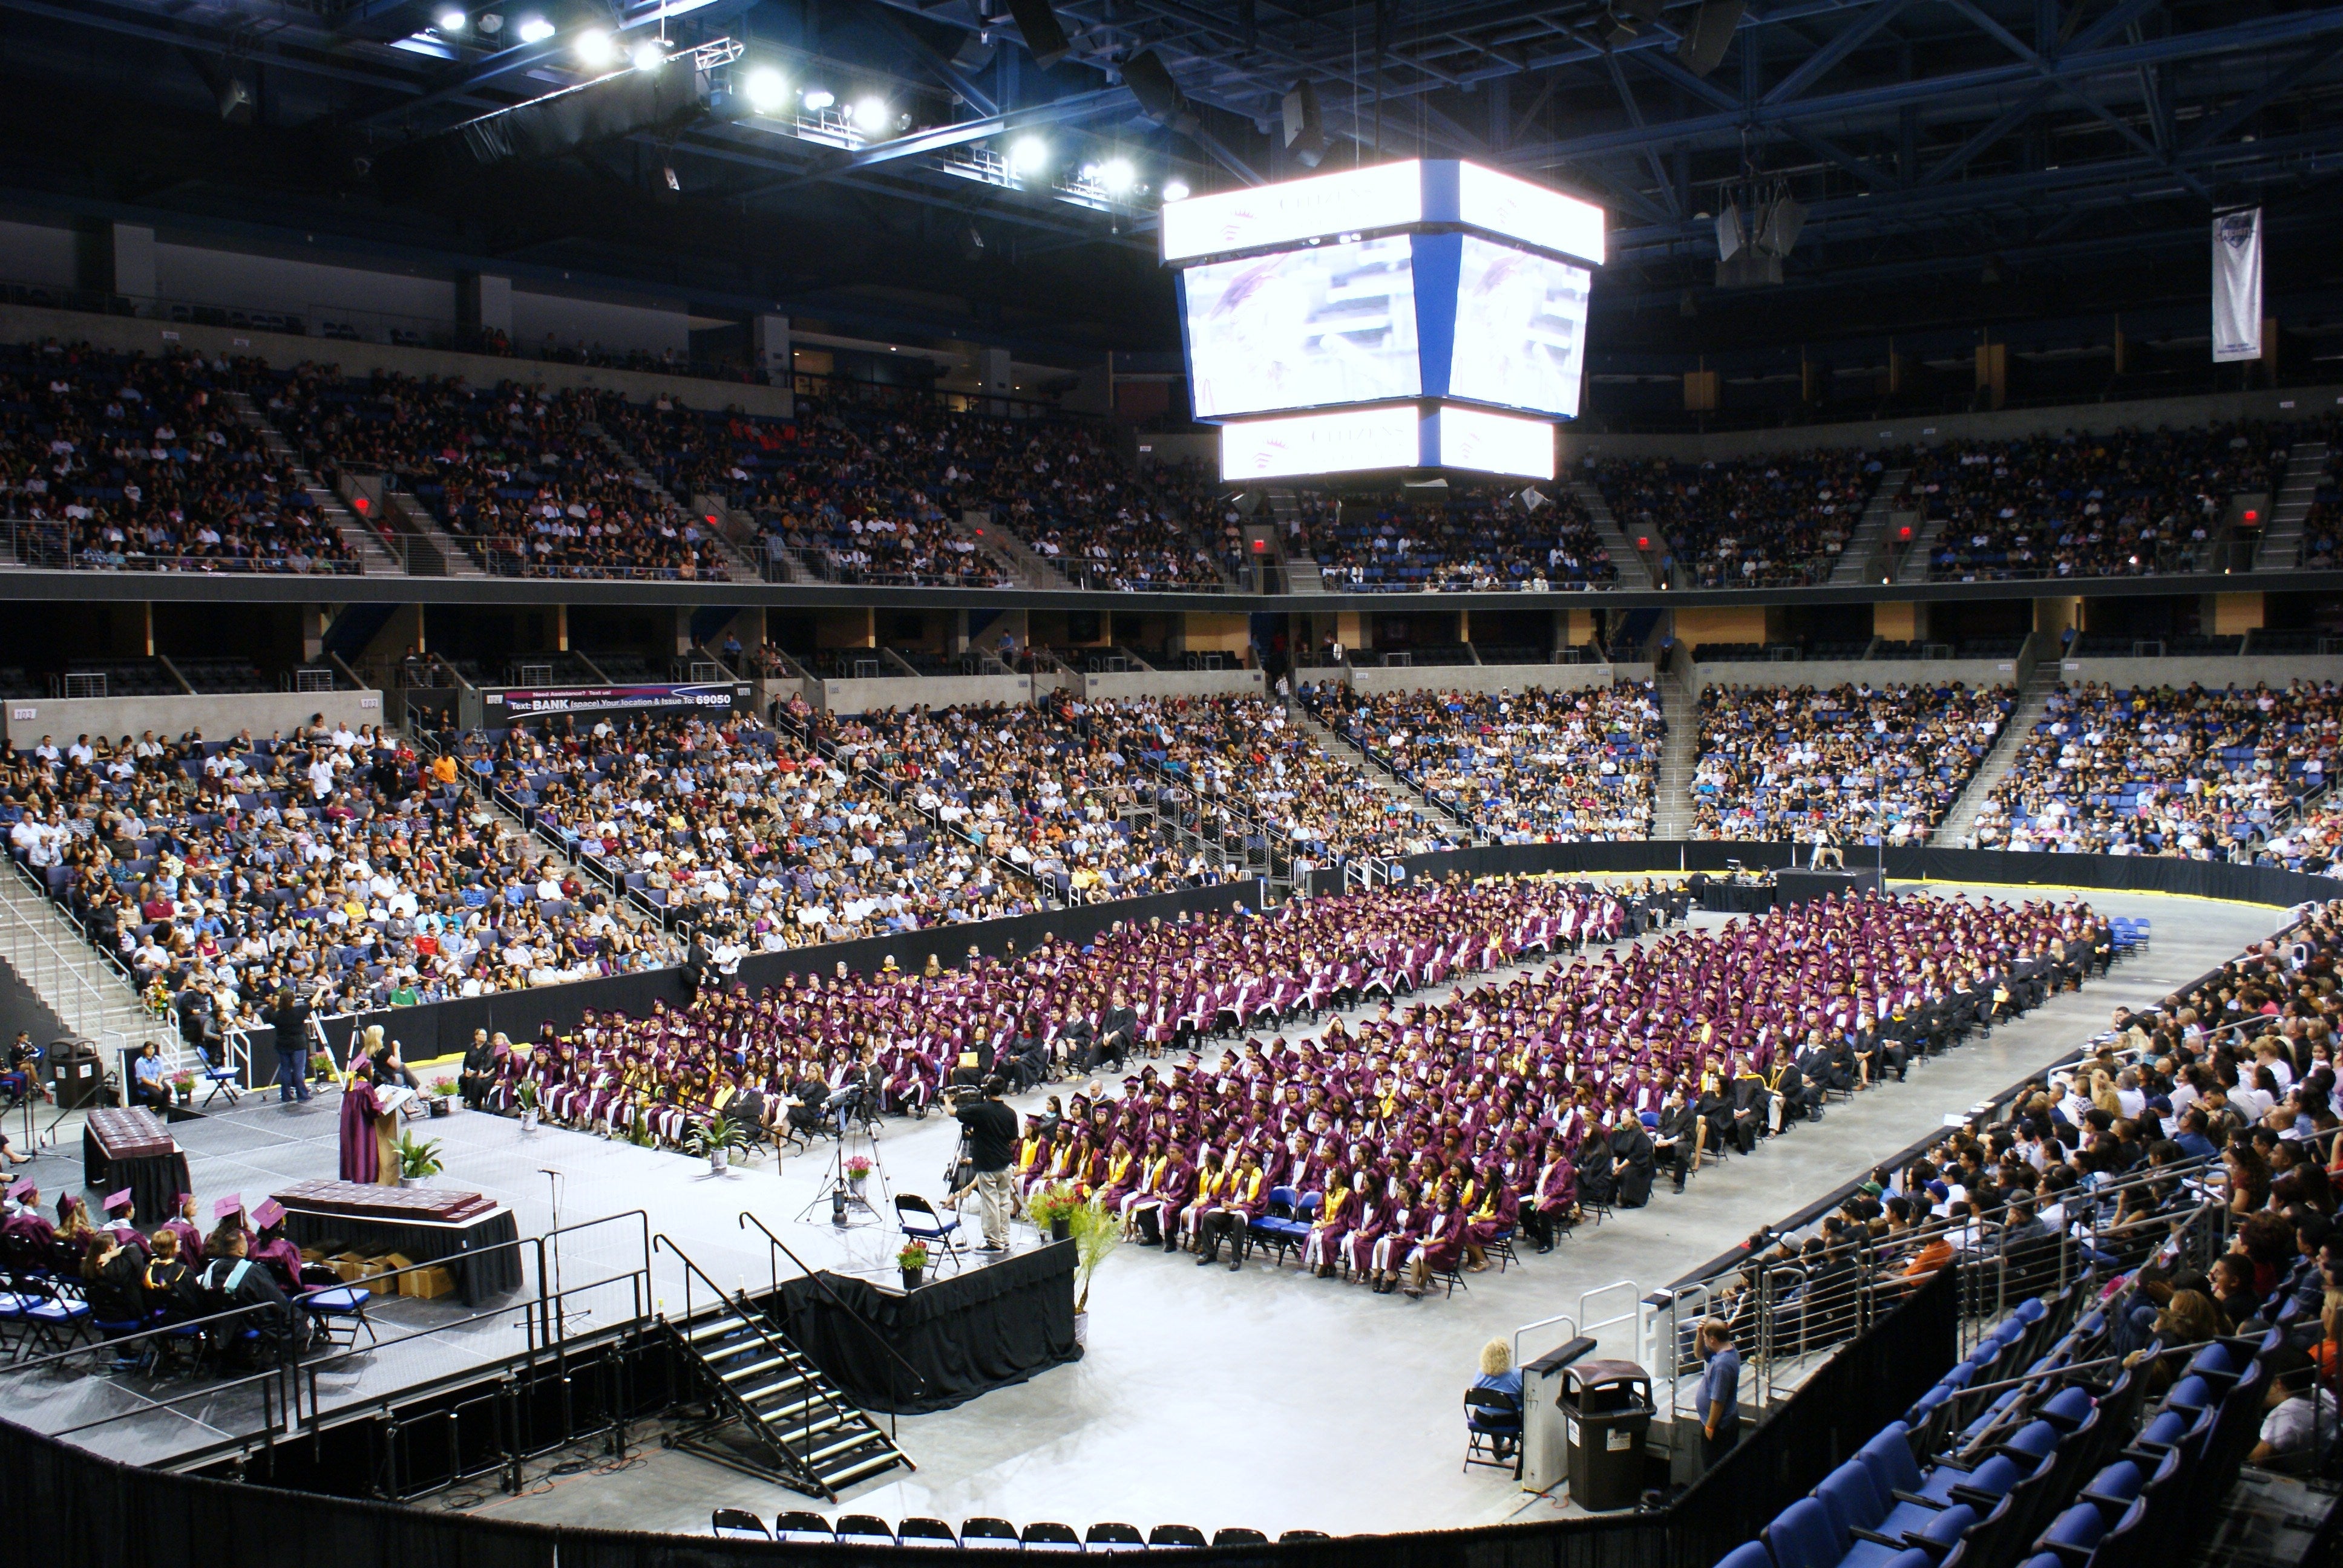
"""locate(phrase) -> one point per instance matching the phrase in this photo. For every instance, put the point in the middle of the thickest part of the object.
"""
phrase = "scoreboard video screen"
(1441, 286)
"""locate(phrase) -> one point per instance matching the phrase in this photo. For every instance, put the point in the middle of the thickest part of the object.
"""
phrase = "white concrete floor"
(1268, 1399)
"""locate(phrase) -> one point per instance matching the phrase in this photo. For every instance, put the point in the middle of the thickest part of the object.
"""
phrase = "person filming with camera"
(991, 1129)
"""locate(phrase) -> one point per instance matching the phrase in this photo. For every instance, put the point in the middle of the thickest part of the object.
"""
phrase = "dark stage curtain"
(982, 1328)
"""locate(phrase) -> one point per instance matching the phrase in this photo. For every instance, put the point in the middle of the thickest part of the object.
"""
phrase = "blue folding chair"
(918, 1220)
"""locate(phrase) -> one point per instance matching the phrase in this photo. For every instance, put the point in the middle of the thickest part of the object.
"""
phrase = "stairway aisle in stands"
(1863, 552)
(2033, 702)
(375, 558)
(95, 1001)
(1634, 572)
(1679, 688)
(1384, 780)
(2281, 545)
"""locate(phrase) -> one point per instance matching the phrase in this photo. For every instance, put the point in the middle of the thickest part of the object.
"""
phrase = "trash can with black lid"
(76, 1074)
(1606, 1412)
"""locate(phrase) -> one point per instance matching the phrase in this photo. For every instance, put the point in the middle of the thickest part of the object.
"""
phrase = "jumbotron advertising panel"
(1439, 282)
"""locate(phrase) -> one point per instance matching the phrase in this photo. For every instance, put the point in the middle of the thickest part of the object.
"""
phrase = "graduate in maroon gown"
(361, 1153)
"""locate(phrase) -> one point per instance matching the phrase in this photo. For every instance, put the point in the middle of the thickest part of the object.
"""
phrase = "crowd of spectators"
(1526, 767)
(752, 837)
(520, 474)
(1470, 536)
(2197, 773)
(866, 494)
(130, 463)
(1245, 758)
(1842, 764)
(1752, 522)
(335, 862)
(2121, 505)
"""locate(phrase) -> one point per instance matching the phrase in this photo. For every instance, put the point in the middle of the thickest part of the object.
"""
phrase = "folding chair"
(989, 1534)
(930, 1532)
(222, 1079)
(337, 1313)
(803, 1527)
(918, 1220)
(1176, 1535)
(738, 1524)
(1493, 1424)
(1238, 1535)
(864, 1528)
(1112, 1537)
(1044, 1536)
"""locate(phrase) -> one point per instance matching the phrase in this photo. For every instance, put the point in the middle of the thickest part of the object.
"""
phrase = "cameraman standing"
(991, 1129)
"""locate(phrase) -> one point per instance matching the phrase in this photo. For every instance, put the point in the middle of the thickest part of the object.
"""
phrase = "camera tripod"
(848, 1205)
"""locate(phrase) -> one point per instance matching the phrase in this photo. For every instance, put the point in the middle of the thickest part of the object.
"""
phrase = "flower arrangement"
(444, 1088)
(857, 1168)
(321, 1065)
(182, 1082)
(914, 1255)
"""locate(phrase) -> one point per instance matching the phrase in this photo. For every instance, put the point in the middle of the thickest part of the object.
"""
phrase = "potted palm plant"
(717, 1138)
(418, 1160)
(1096, 1235)
(913, 1261)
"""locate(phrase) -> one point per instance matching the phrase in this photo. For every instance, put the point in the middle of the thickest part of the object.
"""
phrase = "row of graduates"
(1362, 1132)
(899, 1036)
(136, 1281)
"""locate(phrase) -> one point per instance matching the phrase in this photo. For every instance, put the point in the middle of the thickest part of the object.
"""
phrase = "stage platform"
(1204, 1398)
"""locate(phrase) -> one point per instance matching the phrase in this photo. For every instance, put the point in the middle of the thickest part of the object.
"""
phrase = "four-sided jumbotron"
(1422, 314)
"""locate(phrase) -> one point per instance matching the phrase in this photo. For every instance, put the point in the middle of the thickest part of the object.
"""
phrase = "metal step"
(814, 1443)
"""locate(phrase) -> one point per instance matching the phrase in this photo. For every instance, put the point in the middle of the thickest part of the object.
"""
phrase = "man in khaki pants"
(991, 1146)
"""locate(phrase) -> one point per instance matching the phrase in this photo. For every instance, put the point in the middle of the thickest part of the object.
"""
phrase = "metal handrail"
(839, 1302)
(742, 1307)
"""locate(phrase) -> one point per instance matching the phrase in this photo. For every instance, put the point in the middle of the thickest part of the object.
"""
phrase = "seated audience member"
(1499, 1376)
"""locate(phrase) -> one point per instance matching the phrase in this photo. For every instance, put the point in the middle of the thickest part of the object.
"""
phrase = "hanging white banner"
(2237, 285)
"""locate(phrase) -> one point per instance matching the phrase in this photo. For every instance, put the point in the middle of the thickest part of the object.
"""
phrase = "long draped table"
(463, 1231)
(982, 1328)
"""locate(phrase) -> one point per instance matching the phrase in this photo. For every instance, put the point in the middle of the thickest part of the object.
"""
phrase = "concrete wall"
(1828, 672)
(2277, 669)
(37, 253)
(586, 323)
(127, 334)
(1483, 678)
(264, 713)
(316, 290)
(910, 690)
(1113, 686)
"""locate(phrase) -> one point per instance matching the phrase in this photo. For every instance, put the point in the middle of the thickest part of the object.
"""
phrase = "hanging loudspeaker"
(1778, 226)
(1701, 50)
(1305, 131)
(1728, 233)
(1044, 39)
(1151, 85)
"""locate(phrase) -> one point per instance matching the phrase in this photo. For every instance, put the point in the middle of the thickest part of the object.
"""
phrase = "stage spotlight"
(452, 20)
(595, 48)
(535, 30)
(1027, 156)
(650, 55)
(766, 90)
(1175, 190)
(819, 98)
(870, 114)
(492, 24)
(1117, 176)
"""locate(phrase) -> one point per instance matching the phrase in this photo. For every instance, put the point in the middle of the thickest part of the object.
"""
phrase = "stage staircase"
(800, 1429)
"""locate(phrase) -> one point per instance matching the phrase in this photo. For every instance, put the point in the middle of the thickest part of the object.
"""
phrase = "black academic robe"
(1634, 1145)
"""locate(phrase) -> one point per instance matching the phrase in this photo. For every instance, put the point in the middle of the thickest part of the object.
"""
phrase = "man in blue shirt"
(2192, 1140)
(1720, 1394)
